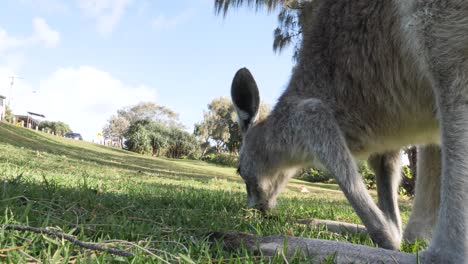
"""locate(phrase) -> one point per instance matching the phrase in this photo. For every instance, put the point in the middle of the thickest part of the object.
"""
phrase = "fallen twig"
(3, 250)
(334, 226)
(75, 241)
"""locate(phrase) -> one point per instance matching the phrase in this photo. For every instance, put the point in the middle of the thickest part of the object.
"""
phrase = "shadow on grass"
(174, 217)
(155, 210)
(25, 138)
(163, 211)
(117, 158)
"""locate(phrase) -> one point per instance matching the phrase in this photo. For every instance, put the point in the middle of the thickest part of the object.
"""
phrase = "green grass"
(159, 209)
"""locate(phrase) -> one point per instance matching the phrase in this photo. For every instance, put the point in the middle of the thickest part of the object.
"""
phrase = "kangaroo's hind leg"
(427, 195)
(448, 57)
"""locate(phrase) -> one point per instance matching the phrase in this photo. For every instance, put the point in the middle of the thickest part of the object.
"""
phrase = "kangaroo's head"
(257, 164)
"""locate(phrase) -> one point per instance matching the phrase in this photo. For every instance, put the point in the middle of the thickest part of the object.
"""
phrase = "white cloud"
(107, 12)
(14, 60)
(161, 22)
(8, 42)
(45, 34)
(83, 97)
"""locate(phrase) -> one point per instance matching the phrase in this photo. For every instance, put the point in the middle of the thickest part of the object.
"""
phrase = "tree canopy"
(147, 136)
(119, 123)
(57, 127)
(9, 116)
(220, 126)
(292, 17)
(148, 128)
(152, 111)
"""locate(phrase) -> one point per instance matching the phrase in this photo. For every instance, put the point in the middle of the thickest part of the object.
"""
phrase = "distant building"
(28, 121)
(2, 107)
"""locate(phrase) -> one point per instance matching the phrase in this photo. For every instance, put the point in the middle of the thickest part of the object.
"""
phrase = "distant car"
(76, 136)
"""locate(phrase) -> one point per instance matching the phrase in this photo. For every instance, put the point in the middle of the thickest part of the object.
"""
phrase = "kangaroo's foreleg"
(324, 141)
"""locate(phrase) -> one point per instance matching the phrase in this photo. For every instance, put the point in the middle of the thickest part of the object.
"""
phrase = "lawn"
(161, 210)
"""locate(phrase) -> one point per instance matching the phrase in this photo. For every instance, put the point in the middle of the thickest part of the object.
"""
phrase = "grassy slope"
(163, 206)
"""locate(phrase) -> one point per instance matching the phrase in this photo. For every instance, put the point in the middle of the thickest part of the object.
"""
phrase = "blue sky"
(81, 60)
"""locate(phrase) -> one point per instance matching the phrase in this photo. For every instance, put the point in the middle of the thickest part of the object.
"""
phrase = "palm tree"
(291, 18)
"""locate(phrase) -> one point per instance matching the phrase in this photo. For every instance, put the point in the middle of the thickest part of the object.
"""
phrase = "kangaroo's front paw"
(385, 238)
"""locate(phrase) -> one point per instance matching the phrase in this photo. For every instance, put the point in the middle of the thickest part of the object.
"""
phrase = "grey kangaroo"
(372, 76)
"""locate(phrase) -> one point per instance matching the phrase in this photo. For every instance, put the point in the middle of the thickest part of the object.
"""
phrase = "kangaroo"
(372, 77)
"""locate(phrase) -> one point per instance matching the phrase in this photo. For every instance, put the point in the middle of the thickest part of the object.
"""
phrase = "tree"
(293, 16)
(119, 123)
(182, 144)
(412, 153)
(61, 128)
(138, 137)
(201, 131)
(116, 128)
(149, 110)
(159, 137)
(9, 116)
(408, 181)
(58, 128)
(218, 121)
(152, 137)
(220, 126)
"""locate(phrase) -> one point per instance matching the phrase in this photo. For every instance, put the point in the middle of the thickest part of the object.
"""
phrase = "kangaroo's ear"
(245, 97)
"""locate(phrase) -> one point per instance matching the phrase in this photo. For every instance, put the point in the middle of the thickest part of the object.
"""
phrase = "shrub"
(159, 138)
(370, 179)
(406, 186)
(314, 175)
(9, 116)
(58, 128)
(138, 138)
(149, 137)
(223, 159)
(407, 182)
(182, 143)
(368, 175)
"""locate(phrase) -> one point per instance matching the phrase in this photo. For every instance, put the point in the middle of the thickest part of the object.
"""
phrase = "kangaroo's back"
(363, 59)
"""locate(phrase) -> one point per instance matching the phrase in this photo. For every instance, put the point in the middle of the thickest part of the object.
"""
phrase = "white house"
(2, 107)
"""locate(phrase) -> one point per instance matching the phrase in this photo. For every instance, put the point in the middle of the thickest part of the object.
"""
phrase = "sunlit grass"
(159, 209)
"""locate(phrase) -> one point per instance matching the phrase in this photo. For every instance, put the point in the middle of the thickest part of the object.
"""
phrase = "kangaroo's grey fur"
(372, 76)
(427, 197)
